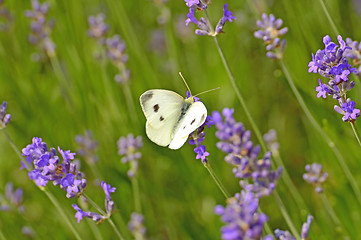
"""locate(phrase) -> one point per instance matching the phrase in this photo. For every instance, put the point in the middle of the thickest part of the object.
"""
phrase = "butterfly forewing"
(193, 118)
(161, 107)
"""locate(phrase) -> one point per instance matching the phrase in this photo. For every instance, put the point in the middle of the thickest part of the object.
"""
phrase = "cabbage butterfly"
(170, 117)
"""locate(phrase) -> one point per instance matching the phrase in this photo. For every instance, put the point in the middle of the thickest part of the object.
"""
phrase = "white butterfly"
(170, 117)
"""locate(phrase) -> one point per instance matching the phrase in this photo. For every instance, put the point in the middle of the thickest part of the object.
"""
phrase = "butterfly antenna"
(207, 91)
(185, 83)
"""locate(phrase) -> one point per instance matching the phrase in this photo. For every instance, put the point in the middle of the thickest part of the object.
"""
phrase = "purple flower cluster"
(113, 47)
(98, 29)
(315, 176)
(197, 138)
(109, 206)
(47, 167)
(41, 30)
(286, 235)
(241, 219)
(129, 150)
(333, 64)
(87, 147)
(204, 27)
(354, 53)
(271, 140)
(270, 32)
(136, 226)
(12, 198)
(4, 117)
(116, 54)
(243, 155)
(6, 15)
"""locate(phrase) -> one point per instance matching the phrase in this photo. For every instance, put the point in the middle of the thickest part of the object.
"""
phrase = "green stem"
(94, 204)
(357, 135)
(333, 26)
(16, 149)
(289, 183)
(330, 143)
(62, 213)
(130, 102)
(286, 216)
(216, 179)
(95, 229)
(115, 229)
(136, 195)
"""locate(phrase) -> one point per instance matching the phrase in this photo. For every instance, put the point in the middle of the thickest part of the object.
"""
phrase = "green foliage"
(62, 98)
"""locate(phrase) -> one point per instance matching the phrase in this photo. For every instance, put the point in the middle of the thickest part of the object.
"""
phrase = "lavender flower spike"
(87, 147)
(348, 110)
(240, 217)
(4, 117)
(129, 150)
(306, 227)
(227, 15)
(354, 54)
(12, 198)
(136, 226)
(286, 235)
(315, 176)
(109, 203)
(271, 32)
(98, 29)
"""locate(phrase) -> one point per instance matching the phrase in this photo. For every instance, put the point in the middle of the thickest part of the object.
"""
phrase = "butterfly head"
(191, 98)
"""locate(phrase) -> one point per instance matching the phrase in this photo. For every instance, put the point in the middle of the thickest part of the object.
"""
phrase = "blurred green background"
(58, 102)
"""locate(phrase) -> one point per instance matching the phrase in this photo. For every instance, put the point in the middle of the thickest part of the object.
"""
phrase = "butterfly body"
(170, 117)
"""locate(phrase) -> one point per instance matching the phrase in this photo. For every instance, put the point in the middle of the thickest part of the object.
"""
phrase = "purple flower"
(41, 30)
(286, 235)
(240, 217)
(203, 25)
(12, 197)
(109, 203)
(47, 167)
(4, 117)
(80, 214)
(354, 53)
(116, 53)
(87, 147)
(243, 155)
(270, 32)
(129, 150)
(136, 226)
(191, 17)
(98, 29)
(306, 227)
(197, 139)
(331, 62)
(315, 176)
(271, 140)
(227, 15)
(348, 110)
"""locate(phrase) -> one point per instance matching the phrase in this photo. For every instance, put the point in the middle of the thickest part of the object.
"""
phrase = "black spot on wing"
(193, 121)
(156, 108)
(161, 118)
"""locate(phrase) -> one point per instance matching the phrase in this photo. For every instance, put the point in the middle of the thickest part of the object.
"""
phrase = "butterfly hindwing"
(193, 118)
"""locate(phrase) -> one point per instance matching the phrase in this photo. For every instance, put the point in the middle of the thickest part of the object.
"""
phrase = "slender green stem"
(94, 204)
(333, 26)
(130, 102)
(289, 183)
(95, 229)
(239, 95)
(330, 143)
(357, 135)
(286, 216)
(136, 195)
(216, 179)
(330, 210)
(16, 149)
(115, 229)
(62, 213)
